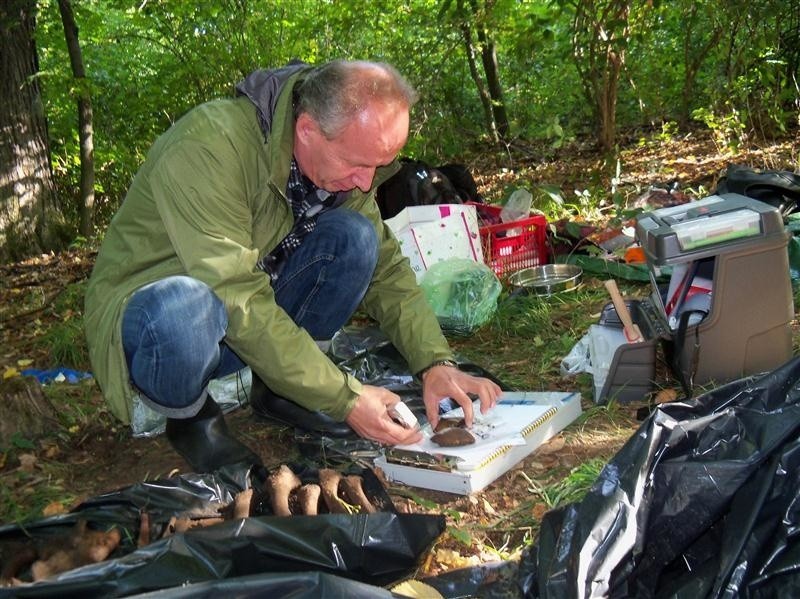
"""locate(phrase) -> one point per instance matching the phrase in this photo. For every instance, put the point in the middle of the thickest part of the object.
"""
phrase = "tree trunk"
(469, 47)
(490, 68)
(24, 410)
(600, 33)
(29, 216)
(84, 117)
(489, 60)
(694, 55)
(607, 102)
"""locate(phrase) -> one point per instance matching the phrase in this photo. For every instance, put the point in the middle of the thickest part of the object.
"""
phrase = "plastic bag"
(380, 548)
(463, 294)
(230, 392)
(516, 208)
(700, 502)
(577, 360)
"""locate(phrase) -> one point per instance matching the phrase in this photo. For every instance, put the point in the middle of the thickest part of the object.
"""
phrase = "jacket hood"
(263, 87)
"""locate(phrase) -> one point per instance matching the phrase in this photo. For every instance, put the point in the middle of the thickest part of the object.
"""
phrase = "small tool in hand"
(403, 415)
(632, 332)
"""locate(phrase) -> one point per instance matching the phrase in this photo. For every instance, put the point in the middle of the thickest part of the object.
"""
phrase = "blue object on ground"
(50, 375)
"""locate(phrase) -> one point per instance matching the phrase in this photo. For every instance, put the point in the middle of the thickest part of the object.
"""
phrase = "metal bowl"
(546, 279)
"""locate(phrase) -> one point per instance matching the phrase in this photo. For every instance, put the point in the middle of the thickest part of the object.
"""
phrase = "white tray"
(524, 420)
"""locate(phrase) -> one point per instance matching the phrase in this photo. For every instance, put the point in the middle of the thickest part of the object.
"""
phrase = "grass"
(64, 340)
(570, 489)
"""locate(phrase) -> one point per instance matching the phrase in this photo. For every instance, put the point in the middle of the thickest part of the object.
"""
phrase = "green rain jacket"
(208, 201)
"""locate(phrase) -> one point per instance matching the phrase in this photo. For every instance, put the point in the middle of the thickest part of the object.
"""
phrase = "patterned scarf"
(307, 202)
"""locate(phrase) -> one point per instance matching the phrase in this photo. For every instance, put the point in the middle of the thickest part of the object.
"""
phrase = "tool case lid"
(707, 227)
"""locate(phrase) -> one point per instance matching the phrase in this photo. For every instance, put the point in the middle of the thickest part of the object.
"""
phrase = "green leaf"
(554, 191)
(20, 442)
(460, 535)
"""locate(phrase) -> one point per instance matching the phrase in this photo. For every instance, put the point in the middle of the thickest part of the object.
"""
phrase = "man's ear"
(306, 128)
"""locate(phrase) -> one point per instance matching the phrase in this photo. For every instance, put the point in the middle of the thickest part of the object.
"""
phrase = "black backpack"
(418, 184)
(777, 188)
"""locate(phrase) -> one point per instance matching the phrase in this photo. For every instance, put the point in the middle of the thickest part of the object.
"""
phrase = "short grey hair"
(336, 92)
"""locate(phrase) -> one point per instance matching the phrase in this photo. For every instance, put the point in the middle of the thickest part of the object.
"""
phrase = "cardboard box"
(431, 234)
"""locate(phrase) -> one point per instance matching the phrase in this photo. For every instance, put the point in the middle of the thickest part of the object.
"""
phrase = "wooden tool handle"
(632, 332)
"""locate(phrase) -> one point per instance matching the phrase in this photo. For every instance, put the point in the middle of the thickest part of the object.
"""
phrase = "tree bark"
(600, 32)
(491, 70)
(694, 54)
(498, 104)
(483, 94)
(84, 117)
(29, 215)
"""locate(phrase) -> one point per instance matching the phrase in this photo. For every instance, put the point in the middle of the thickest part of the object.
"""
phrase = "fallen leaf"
(666, 396)
(539, 510)
(10, 372)
(54, 508)
(448, 557)
(552, 446)
(24, 362)
(415, 588)
(537, 466)
(487, 507)
(27, 462)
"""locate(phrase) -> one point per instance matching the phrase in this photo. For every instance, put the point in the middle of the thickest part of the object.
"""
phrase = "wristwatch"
(450, 363)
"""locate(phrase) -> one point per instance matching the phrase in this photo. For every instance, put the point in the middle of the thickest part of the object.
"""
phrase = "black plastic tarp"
(703, 501)
(306, 585)
(374, 549)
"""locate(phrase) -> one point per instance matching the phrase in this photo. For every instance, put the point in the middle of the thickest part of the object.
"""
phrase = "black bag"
(418, 184)
(777, 188)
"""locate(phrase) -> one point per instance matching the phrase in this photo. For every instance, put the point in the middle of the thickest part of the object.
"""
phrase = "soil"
(97, 454)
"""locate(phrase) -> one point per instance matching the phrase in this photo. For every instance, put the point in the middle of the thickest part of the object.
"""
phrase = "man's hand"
(448, 381)
(370, 418)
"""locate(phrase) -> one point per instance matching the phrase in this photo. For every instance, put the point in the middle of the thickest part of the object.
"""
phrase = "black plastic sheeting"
(306, 585)
(309, 554)
(703, 501)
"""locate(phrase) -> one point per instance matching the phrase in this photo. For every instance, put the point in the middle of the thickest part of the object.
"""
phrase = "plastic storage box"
(509, 247)
(737, 327)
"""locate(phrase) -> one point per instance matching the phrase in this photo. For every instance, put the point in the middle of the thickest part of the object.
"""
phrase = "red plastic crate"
(509, 247)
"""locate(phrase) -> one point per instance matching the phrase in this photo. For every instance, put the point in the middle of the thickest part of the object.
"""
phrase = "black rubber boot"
(270, 406)
(204, 441)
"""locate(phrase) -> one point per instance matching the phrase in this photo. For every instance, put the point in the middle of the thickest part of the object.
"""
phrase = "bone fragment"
(329, 484)
(280, 485)
(308, 499)
(84, 547)
(242, 503)
(353, 488)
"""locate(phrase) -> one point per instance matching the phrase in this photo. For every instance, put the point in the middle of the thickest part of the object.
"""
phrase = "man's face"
(349, 160)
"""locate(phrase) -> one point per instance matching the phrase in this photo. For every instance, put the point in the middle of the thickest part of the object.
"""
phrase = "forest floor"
(85, 452)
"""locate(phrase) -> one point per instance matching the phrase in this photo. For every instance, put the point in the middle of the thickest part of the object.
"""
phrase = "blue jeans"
(173, 330)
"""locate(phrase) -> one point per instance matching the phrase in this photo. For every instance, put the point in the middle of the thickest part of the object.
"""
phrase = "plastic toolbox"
(737, 323)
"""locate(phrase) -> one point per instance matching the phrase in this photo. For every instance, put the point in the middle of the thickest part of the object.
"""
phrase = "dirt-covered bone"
(242, 504)
(144, 529)
(280, 485)
(329, 484)
(307, 499)
(353, 489)
(84, 546)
